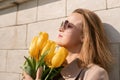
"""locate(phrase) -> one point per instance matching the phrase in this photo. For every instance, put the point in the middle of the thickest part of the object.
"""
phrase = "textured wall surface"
(20, 23)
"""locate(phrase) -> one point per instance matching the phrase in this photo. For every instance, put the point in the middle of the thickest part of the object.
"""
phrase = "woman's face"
(70, 32)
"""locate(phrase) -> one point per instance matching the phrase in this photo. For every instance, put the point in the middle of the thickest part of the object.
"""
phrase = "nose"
(61, 29)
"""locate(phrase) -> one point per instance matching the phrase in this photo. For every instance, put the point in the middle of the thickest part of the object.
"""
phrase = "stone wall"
(20, 23)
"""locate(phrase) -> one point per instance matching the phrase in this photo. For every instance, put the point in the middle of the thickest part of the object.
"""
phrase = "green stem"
(48, 74)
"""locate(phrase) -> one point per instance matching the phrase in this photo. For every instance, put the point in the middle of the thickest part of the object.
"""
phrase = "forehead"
(75, 18)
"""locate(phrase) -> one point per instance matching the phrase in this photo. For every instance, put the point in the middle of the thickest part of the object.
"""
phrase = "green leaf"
(55, 72)
(41, 60)
(28, 61)
(33, 61)
(44, 73)
(28, 67)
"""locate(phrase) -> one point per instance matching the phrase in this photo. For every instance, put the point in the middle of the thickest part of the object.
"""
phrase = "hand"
(38, 75)
(26, 76)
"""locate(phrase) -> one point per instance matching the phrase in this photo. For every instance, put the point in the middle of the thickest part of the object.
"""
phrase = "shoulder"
(96, 72)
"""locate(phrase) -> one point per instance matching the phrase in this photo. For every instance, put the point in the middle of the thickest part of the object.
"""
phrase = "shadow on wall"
(112, 34)
(114, 37)
(35, 3)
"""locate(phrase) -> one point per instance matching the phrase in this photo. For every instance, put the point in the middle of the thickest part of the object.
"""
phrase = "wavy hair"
(95, 48)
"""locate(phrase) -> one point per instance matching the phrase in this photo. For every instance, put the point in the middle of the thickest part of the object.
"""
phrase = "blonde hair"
(95, 48)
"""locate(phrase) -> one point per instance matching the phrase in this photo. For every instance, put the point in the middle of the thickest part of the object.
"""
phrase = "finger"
(26, 76)
(39, 73)
(24, 73)
(23, 77)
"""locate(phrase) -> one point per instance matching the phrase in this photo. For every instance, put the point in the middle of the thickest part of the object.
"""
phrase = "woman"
(89, 58)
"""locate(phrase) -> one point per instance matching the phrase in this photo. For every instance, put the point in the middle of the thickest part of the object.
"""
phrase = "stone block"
(3, 56)
(13, 37)
(113, 3)
(9, 76)
(27, 12)
(8, 17)
(48, 9)
(92, 5)
(15, 59)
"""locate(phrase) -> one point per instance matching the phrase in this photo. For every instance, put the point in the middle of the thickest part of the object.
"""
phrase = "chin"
(59, 43)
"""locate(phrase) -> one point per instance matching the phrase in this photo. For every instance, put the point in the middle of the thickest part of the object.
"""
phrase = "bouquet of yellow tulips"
(44, 53)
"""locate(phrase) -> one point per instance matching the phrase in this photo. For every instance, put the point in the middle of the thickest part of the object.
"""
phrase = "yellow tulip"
(50, 54)
(42, 39)
(59, 57)
(33, 49)
(37, 44)
(46, 47)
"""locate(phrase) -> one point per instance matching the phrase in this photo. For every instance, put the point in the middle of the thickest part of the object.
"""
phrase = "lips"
(60, 35)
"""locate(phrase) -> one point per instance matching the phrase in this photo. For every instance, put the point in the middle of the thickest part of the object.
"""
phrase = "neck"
(73, 53)
(72, 57)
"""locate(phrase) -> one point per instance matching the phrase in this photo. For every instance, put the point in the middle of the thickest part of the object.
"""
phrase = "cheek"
(74, 39)
(68, 40)
(64, 40)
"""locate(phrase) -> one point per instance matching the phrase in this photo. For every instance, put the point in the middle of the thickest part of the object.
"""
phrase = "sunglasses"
(66, 25)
